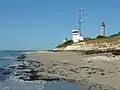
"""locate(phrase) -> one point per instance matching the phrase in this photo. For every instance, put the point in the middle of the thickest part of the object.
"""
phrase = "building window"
(75, 32)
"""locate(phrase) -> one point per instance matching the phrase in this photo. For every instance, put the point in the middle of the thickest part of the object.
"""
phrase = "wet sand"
(98, 72)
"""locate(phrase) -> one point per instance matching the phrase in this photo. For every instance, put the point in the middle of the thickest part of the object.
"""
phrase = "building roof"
(102, 24)
(75, 30)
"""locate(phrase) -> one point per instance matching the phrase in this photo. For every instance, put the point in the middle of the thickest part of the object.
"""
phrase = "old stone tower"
(102, 33)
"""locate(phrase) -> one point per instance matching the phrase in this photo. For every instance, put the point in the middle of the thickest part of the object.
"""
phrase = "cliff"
(102, 43)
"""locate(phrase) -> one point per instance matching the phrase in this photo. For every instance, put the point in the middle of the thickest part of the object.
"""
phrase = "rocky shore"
(93, 71)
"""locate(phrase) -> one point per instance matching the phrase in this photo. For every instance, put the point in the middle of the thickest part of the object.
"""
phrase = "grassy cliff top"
(108, 39)
(114, 39)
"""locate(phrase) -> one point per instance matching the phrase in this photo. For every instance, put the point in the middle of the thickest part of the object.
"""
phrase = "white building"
(102, 29)
(76, 36)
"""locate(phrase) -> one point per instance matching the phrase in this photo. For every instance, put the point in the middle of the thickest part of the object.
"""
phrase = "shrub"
(65, 44)
(86, 39)
(115, 34)
(100, 36)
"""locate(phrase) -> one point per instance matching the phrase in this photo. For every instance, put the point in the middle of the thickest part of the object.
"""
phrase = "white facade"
(76, 36)
(102, 29)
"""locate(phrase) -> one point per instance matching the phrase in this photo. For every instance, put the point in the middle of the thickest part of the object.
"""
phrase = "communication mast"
(80, 20)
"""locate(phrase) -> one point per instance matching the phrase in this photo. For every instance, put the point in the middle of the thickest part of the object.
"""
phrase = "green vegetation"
(65, 44)
(100, 37)
(114, 39)
(115, 34)
(86, 39)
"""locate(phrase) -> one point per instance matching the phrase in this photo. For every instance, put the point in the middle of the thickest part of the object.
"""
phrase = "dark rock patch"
(21, 57)
(5, 71)
(116, 52)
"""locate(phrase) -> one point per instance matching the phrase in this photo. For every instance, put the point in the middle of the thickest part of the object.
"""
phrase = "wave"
(16, 84)
(7, 57)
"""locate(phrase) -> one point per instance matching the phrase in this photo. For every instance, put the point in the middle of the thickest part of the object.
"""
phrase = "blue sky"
(42, 24)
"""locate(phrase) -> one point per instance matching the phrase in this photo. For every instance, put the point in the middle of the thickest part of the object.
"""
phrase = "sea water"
(10, 82)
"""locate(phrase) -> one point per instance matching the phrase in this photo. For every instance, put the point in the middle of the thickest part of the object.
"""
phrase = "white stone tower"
(102, 29)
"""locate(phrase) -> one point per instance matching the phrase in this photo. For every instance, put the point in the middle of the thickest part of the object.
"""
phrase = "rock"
(89, 61)
(28, 75)
(12, 67)
(21, 57)
(1, 69)
(25, 78)
(31, 71)
(102, 73)
(21, 66)
(18, 74)
(6, 71)
(115, 52)
(73, 70)
(50, 78)
(89, 72)
(34, 77)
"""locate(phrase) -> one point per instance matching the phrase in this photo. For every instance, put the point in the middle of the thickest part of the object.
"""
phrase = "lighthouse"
(102, 29)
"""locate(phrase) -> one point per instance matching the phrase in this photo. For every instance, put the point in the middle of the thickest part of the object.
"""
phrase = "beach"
(97, 71)
(17, 74)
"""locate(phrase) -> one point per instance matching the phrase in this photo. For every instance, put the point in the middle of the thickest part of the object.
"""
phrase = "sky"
(43, 24)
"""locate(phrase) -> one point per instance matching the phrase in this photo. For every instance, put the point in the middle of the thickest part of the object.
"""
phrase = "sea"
(10, 82)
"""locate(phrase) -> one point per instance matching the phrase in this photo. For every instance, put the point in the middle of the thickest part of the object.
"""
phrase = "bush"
(115, 34)
(86, 39)
(65, 44)
(100, 37)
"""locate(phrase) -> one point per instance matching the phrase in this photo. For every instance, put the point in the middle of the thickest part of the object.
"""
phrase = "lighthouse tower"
(102, 29)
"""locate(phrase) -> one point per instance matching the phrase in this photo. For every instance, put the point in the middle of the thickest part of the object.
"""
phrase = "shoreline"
(85, 52)
(88, 68)
(87, 85)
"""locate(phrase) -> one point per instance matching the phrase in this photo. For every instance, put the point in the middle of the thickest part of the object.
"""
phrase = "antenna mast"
(80, 20)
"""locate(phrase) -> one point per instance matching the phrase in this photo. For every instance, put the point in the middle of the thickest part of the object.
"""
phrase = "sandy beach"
(98, 72)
